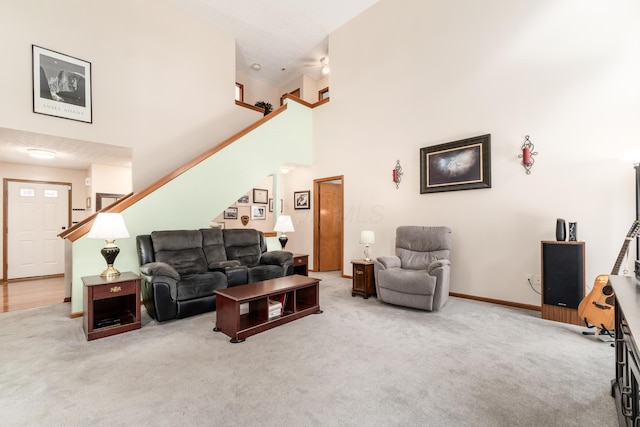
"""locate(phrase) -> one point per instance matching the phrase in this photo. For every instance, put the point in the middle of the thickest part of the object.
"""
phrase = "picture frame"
(61, 85)
(271, 205)
(260, 196)
(302, 199)
(457, 165)
(230, 213)
(243, 201)
(258, 212)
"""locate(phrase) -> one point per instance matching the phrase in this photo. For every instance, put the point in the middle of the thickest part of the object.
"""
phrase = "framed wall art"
(61, 85)
(302, 200)
(260, 196)
(258, 212)
(271, 205)
(243, 201)
(457, 165)
(230, 213)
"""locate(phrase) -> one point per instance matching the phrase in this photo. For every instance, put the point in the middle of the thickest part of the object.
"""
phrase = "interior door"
(36, 213)
(329, 219)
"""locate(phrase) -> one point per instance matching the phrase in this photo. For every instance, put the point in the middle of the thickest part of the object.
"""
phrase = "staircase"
(190, 196)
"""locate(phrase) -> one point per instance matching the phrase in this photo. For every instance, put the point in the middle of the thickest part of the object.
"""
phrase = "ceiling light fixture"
(41, 154)
(256, 66)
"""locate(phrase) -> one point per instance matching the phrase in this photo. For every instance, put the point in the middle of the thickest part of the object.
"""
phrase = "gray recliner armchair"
(418, 276)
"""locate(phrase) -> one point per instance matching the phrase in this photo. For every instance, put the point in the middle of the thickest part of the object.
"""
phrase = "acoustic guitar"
(597, 308)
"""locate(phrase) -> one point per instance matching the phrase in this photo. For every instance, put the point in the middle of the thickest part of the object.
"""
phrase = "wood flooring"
(24, 294)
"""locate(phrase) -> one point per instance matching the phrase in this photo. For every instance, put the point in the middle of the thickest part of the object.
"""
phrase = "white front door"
(36, 213)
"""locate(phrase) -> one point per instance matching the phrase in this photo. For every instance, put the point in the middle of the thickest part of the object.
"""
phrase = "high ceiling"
(283, 36)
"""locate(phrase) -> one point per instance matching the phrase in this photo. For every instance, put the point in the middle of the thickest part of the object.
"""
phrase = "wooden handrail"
(83, 227)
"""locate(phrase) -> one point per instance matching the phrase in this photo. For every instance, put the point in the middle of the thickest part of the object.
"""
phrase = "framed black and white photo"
(260, 196)
(271, 205)
(457, 165)
(258, 212)
(243, 201)
(230, 213)
(301, 200)
(61, 85)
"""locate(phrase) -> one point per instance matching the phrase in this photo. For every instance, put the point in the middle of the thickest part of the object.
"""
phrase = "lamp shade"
(108, 226)
(284, 224)
(367, 237)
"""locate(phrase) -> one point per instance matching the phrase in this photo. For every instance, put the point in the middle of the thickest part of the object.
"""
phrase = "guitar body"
(597, 308)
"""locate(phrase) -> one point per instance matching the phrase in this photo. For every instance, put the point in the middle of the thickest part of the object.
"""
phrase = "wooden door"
(329, 219)
(36, 213)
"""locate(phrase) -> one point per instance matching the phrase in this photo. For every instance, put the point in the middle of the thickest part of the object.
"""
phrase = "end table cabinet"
(111, 306)
(363, 280)
(301, 264)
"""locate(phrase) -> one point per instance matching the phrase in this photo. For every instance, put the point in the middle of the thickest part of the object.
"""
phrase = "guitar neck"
(623, 251)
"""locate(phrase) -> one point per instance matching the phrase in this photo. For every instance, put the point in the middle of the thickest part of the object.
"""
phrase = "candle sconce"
(397, 174)
(527, 154)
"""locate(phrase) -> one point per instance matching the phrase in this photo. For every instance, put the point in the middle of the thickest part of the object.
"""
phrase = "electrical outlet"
(536, 280)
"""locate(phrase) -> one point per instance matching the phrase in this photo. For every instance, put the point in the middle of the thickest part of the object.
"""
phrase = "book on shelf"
(244, 308)
(281, 298)
(275, 308)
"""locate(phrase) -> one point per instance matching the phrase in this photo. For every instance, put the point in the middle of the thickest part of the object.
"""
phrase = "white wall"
(410, 74)
(108, 179)
(161, 78)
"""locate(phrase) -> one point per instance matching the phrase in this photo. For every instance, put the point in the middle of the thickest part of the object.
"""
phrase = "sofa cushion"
(243, 245)
(200, 285)
(181, 249)
(213, 245)
(417, 246)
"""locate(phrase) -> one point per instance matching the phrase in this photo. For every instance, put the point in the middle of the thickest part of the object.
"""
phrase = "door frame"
(5, 215)
(316, 223)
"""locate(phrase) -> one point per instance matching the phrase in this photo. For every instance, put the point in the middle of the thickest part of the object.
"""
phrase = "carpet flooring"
(360, 363)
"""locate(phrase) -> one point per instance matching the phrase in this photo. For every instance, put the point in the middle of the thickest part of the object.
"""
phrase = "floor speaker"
(563, 273)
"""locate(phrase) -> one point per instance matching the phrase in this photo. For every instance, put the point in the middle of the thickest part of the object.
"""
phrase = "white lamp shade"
(367, 237)
(108, 226)
(284, 224)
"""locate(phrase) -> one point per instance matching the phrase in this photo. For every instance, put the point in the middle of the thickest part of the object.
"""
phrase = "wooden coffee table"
(301, 295)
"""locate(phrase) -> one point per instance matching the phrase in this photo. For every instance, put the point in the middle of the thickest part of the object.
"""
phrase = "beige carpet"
(360, 363)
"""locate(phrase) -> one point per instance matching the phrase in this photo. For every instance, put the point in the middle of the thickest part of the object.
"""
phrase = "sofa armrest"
(276, 258)
(157, 273)
(159, 269)
(437, 264)
(389, 261)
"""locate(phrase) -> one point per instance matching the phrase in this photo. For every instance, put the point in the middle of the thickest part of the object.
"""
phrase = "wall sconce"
(397, 174)
(527, 154)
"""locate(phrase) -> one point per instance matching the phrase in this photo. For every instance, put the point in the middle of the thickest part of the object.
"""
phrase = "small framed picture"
(260, 196)
(61, 85)
(258, 212)
(243, 201)
(231, 213)
(302, 200)
(271, 205)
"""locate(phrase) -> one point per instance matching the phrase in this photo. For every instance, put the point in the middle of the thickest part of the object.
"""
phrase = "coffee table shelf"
(302, 297)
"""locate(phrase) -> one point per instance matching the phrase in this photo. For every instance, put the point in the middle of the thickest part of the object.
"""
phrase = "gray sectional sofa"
(181, 269)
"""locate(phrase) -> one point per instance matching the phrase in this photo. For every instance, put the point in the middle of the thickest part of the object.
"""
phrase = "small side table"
(111, 306)
(301, 264)
(363, 279)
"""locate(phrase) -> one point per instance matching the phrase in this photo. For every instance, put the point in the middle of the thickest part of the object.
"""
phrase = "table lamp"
(109, 226)
(283, 224)
(367, 238)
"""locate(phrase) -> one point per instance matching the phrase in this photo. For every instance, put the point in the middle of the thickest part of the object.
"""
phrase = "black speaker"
(563, 273)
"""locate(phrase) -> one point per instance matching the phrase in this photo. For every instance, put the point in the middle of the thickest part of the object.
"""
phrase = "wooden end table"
(363, 278)
(111, 306)
(301, 264)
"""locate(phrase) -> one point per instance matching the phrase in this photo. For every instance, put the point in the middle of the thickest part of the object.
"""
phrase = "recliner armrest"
(276, 258)
(389, 261)
(159, 269)
(437, 264)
